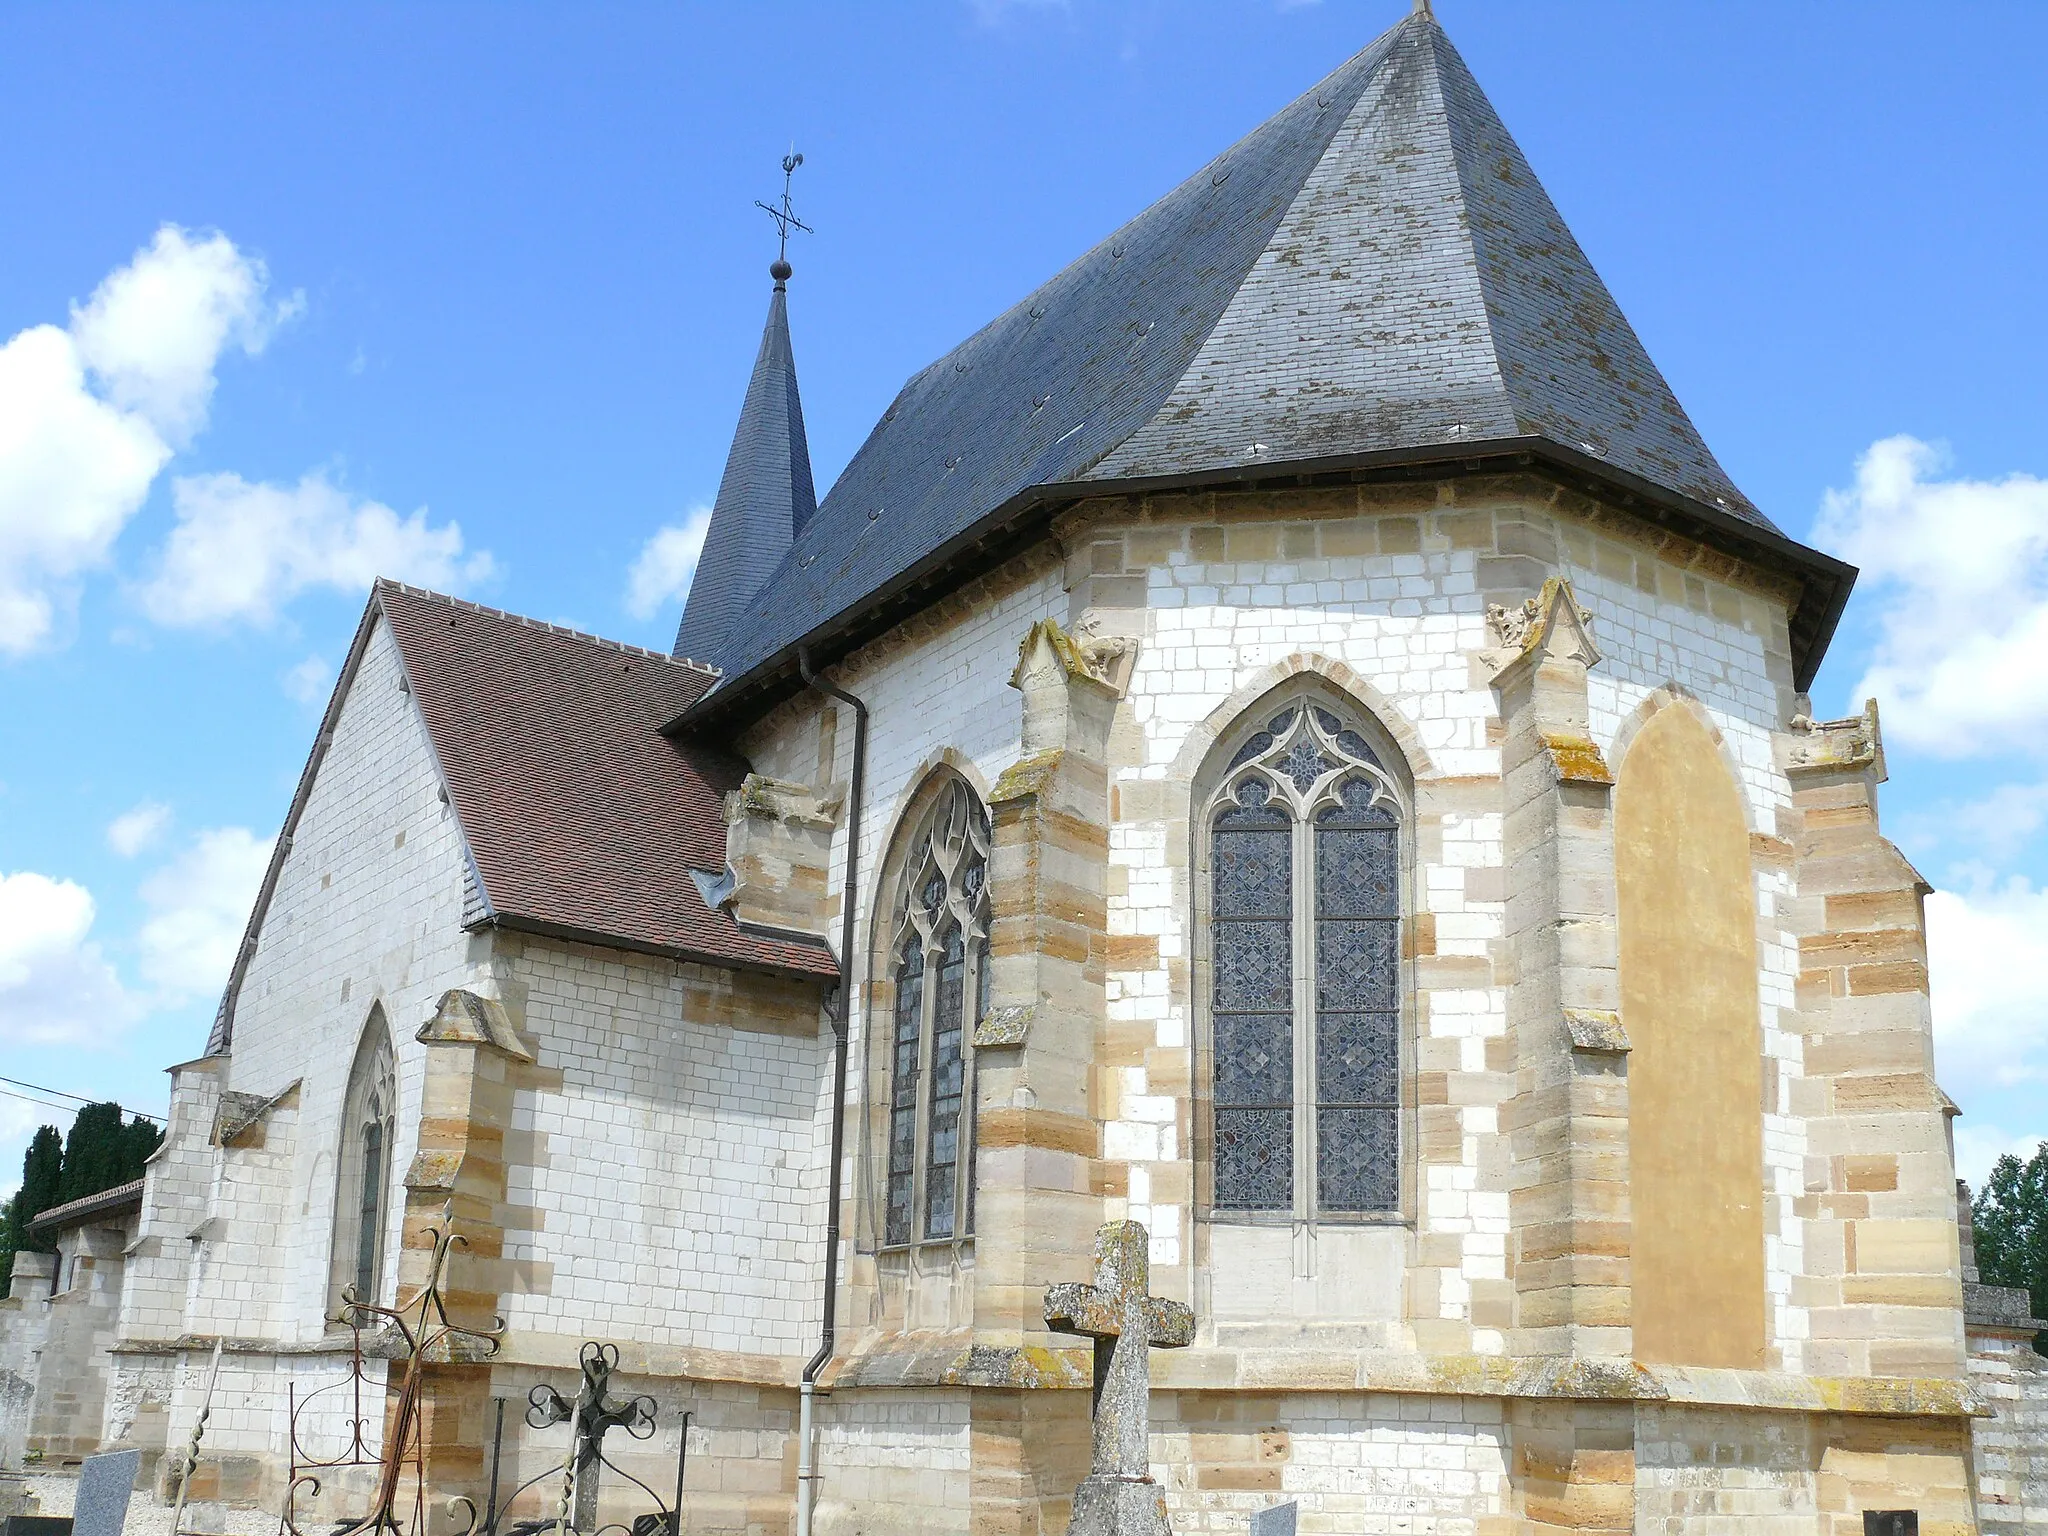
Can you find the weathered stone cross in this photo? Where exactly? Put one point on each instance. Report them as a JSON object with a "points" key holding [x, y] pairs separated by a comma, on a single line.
{"points": [[1118, 1497]]}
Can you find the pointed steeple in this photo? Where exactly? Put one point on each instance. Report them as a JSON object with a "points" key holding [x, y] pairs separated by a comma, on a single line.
{"points": [[765, 497]]}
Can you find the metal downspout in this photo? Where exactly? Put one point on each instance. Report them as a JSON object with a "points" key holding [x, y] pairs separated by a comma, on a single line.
{"points": [[806, 1472]]}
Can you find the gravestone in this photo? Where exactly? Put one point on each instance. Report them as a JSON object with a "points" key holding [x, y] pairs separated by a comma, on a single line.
{"points": [[1118, 1497], [104, 1483], [1276, 1521]]}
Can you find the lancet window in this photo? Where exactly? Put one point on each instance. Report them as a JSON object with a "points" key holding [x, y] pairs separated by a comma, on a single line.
{"points": [[362, 1200], [940, 967], [1305, 856]]}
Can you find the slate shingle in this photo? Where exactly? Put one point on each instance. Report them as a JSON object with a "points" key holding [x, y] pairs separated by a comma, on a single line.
{"points": [[1374, 269]]}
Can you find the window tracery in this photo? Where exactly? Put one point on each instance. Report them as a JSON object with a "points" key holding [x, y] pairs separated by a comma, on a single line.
{"points": [[941, 963], [1305, 958]]}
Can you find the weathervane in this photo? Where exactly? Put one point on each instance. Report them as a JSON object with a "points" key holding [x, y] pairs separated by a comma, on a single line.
{"points": [[785, 219]]}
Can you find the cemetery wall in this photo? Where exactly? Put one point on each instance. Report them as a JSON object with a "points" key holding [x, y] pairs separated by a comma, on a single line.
{"points": [[80, 1317], [2009, 1448]]}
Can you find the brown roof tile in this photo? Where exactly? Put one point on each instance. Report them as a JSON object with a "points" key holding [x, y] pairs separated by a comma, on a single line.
{"points": [[583, 820]]}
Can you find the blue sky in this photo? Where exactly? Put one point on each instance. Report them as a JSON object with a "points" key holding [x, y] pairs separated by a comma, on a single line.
{"points": [[468, 294]]}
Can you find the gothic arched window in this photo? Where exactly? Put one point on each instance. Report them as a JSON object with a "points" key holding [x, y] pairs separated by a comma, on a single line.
{"points": [[940, 971], [362, 1197], [1305, 969]]}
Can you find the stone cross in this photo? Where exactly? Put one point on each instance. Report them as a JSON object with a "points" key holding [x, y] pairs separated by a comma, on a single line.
{"points": [[1118, 1497]]}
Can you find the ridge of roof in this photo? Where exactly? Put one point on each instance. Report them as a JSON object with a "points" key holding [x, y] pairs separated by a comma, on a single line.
{"points": [[765, 496], [1373, 274], [386, 583]]}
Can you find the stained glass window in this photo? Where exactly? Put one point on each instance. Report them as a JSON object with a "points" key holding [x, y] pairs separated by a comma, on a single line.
{"points": [[1252, 850], [941, 921], [1306, 976], [903, 1088]]}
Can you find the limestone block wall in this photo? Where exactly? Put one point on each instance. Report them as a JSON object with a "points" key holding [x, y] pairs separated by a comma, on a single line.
{"points": [[179, 1181], [895, 1461], [1709, 1472], [1365, 1463], [938, 691], [1384, 592], [741, 1463], [24, 1325], [2009, 1449], [367, 912], [665, 1165]]}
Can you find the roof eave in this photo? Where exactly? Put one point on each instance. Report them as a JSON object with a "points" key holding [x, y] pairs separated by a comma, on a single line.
{"points": [[826, 970], [1825, 582]]}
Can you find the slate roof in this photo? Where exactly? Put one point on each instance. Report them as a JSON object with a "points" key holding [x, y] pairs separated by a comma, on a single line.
{"points": [[1373, 271], [765, 496], [582, 821]]}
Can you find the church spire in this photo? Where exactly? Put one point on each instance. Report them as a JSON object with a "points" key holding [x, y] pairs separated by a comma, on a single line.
{"points": [[766, 495]]}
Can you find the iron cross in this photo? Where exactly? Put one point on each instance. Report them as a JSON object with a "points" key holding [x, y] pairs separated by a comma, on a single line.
{"points": [[783, 214], [1126, 1324], [592, 1415]]}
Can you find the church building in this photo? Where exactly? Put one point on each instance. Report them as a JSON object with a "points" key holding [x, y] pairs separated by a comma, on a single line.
{"points": [[1286, 736]]}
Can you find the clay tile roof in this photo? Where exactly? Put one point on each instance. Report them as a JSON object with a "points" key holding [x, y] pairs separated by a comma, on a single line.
{"points": [[583, 821], [117, 1201]]}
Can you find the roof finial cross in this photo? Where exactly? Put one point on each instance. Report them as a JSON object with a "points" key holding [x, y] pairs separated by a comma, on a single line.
{"points": [[785, 219]]}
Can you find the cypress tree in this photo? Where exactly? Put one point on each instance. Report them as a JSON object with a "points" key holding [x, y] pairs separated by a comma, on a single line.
{"points": [[138, 1141], [42, 1170], [95, 1152]]}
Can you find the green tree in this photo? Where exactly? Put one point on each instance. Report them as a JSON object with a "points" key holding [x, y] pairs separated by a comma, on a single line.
{"points": [[140, 1140], [2010, 1220], [42, 1174], [94, 1152], [104, 1149]]}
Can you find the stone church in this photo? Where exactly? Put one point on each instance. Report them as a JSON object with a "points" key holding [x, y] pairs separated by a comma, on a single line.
{"points": [[1286, 736]]}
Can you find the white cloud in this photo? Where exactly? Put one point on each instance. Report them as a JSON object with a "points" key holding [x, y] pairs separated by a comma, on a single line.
{"points": [[77, 462], [154, 329], [1985, 948], [199, 904], [135, 830], [239, 551], [661, 573], [1958, 570], [308, 681], [56, 987]]}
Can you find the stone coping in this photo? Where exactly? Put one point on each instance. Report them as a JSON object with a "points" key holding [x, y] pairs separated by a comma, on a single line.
{"points": [[1999, 1309], [954, 1359], [104, 1202]]}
